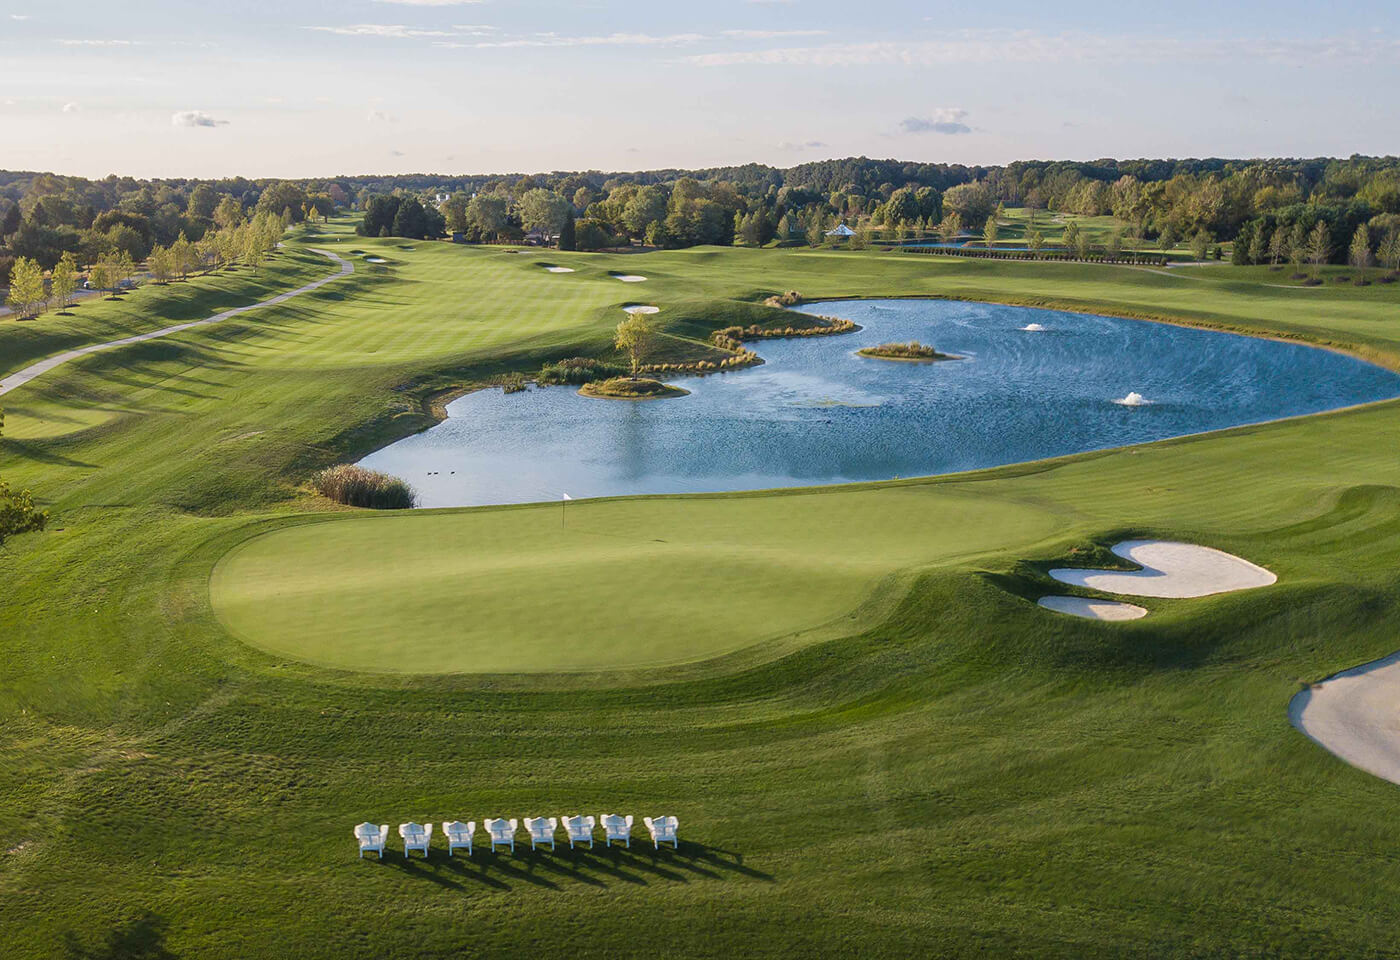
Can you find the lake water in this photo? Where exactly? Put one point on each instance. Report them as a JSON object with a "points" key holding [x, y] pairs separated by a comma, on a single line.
{"points": [[817, 413]]}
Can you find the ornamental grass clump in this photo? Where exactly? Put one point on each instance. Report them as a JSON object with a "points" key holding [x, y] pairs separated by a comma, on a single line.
{"points": [[355, 486]]}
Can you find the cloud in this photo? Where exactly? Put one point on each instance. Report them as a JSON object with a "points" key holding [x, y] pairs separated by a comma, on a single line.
{"points": [[379, 116], [807, 145], [102, 43], [773, 34], [946, 120], [395, 153], [556, 40], [1002, 47], [397, 31], [19, 16], [194, 118], [432, 3], [70, 108]]}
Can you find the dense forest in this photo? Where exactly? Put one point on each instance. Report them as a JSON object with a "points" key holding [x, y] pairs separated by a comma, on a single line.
{"points": [[1268, 209]]}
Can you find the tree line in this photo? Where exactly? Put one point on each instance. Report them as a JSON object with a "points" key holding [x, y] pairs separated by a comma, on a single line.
{"points": [[251, 242], [1201, 201]]}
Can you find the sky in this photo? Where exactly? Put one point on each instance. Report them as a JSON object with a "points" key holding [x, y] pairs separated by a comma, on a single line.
{"points": [[315, 88]]}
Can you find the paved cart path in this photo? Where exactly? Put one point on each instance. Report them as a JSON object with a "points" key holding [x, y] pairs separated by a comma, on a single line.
{"points": [[34, 370]]}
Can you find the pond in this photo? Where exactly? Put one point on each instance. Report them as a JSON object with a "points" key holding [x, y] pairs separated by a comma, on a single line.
{"points": [[817, 413]]}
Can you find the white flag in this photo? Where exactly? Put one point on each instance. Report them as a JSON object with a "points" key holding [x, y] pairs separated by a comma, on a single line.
{"points": [[567, 497]]}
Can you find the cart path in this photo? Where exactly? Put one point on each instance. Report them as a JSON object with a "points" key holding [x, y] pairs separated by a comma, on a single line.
{"points": [[35, 370]]}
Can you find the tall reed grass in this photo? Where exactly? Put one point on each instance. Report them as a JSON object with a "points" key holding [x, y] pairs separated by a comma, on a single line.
{"points": [[357, 487]]}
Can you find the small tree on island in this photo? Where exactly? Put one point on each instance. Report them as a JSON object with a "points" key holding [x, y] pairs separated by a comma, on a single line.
{"points": [[1035, 240], [989, 233], [633, 337]]}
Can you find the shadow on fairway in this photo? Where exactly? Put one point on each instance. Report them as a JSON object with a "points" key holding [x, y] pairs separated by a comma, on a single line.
{"points": [[596, 867], [140, 939]]}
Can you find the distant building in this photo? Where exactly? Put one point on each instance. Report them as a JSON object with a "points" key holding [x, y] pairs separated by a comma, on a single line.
{"points": [[842, 232]]}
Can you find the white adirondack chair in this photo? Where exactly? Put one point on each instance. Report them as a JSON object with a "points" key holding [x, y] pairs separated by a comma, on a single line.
{"points": [[459, 835], [502, 833], [579, 829], [371, 838], [662, 830], [541, 830], [415, 837], [617, 828]]}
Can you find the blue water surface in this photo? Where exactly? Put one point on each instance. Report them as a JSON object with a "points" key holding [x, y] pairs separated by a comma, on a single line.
{"points": [[817, 413]]}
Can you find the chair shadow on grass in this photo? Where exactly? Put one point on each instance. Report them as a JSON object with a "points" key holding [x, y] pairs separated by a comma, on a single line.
{"points": [[638, 865]]}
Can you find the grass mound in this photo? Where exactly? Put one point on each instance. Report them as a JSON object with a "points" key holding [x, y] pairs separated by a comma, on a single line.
{"points": [[913, 350], [357, 487], [631, 388]]}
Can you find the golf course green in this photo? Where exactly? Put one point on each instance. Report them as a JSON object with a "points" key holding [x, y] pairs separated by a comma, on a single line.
{"points": [[875, 741]]}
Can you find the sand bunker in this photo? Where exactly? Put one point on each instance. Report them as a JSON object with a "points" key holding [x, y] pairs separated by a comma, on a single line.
{"points": [[560, 269], [375, 260], [1133, 399], [641, 308], [1353, 716], [1033, 327], [628, 278], [1170, 570], [1093, 609]]}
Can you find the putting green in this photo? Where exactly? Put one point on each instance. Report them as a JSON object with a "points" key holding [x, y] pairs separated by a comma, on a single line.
{"points": [[621, 585]]}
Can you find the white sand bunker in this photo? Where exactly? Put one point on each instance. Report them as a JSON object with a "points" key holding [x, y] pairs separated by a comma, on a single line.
{"points": [[1033, 327], [641, 308], [1093, 609], [1133, 399], [628, 278], [560, 269], [1353, 716], [375, 260], [1171, 570]]}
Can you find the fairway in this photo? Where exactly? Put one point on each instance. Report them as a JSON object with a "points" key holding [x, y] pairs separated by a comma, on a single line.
{"points": [[876, 742], [621, 586]]}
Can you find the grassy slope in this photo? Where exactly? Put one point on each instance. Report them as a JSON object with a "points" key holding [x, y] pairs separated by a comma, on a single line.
{"points": [[953, 773]]}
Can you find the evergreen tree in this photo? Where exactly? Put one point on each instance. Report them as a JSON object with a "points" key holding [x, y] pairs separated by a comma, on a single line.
{"points": [[568, 233]]}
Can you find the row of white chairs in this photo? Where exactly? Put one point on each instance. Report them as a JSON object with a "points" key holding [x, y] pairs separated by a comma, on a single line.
{"points": [[580, 829]]}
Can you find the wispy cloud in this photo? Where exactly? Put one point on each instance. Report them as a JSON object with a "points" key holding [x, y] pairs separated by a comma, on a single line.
{"points": [[102, 43], [379, 116], [558, 40], [194, 118], [773, 34], [1031, 47], [433, 3], [397, 31], [19, 16], [70, 108], [945, 120], [806, 145]]}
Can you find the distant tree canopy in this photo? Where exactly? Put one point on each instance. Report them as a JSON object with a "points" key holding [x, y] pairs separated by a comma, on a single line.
{"points": [[44, 215], [394, 216]]}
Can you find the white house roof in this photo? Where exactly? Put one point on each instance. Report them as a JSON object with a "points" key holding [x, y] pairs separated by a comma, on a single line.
{"points": [[841, 231]]}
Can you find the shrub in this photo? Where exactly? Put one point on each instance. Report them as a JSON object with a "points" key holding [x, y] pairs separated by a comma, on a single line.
{"points": [[913, 350], [357, 487], [579, 370], [513, 383]]}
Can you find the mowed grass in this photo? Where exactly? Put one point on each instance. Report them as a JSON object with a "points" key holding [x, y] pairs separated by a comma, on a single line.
{"points": [[877, 745], [643, 585]]}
